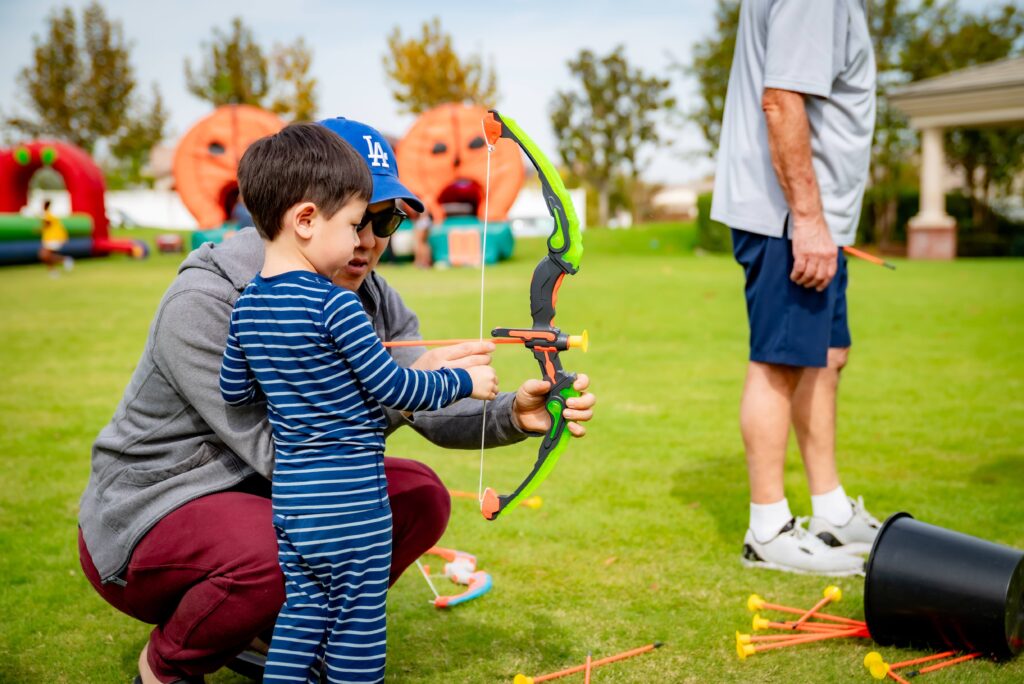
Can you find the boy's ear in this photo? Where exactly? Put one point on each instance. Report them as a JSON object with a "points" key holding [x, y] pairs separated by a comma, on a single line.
{"points": [[302, 215]]}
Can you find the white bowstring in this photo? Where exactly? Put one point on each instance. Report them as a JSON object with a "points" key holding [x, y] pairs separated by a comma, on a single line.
{"points": [[483, 269], [426, 576]]}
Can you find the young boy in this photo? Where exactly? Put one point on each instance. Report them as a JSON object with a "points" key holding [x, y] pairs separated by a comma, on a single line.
{"points": [[308, 348]]}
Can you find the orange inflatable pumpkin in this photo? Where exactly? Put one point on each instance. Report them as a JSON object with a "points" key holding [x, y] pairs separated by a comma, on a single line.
{"points": [[206, 161], [443, 159]]}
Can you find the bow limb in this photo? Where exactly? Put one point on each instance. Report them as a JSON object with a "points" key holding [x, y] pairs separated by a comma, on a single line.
{"points": [[565, 244], [479, 584]]}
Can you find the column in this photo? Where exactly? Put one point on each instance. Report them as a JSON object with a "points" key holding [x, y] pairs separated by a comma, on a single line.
{"points": [[932, 232]]}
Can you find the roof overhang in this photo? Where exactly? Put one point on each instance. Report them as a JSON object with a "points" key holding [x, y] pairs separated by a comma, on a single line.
{"points": [[985, 95]]}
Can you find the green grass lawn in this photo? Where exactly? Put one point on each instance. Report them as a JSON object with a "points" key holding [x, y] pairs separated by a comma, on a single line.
{"points": [[639, 536]]}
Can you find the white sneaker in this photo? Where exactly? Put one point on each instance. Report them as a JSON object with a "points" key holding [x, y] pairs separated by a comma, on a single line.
{"points": [[794, 549], [856, 536], [69, 263]]}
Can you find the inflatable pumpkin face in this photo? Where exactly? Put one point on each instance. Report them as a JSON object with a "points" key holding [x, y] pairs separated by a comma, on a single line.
{"points": [[443, 159], [206, 160]]}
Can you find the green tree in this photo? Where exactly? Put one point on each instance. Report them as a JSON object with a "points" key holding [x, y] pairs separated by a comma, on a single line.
{"points": [[132, 146], [49, 84], [108, 80], [893, 142], [233, 69], [294, 90], [426, 71], [712, 60], [79, 85], [604, 124]]}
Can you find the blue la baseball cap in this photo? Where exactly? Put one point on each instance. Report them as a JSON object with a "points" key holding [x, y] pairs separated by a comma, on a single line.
{"points": [[379, 157]]}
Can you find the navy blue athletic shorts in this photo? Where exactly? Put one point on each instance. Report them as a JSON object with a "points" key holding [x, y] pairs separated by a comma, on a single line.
{"points": [[790, 324]]}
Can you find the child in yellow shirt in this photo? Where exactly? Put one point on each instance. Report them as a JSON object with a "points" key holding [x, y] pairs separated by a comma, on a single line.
{"points": [[54, 237]]}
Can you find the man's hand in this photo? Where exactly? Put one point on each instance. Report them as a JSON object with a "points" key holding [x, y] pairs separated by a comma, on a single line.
{"points": [[464, 355], [815, 256], [530, 415]]}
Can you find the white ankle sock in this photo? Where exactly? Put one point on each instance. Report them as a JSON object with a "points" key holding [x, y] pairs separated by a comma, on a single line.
{"points": [[833, 506], [767, 519]]}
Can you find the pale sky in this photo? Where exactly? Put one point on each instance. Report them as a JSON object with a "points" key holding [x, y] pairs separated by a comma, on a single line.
{"points": [[528, 41]]}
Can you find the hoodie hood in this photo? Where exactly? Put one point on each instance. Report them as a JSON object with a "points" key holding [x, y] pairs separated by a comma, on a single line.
{"points": [[237, 259]]}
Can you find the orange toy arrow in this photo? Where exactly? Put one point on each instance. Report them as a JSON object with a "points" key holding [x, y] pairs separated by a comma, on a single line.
{"points": [[756, 603], [524, 679], [832, 594], [880, 669], [860, 254], [952, 661], [445, 343], [575, 341], [744, 649]]}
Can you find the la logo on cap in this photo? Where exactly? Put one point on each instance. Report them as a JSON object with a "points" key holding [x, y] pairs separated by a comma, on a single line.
{"points": [[375, 152]]}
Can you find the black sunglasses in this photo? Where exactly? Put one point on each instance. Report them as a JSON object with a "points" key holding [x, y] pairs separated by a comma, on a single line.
{"points": [[385, 223]]}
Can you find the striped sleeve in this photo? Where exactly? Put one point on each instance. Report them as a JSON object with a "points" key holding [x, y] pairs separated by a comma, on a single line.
{"points": [[398, 388], [237, 382]]}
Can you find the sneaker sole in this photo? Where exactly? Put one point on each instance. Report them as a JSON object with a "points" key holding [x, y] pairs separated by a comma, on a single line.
{"points": [[799, 571], [853, 548]]}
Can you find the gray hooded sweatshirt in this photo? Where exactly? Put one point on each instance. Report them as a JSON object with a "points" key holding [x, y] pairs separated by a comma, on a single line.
{"points": [[173, 439]]}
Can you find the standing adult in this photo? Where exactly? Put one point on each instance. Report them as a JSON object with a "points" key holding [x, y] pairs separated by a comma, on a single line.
{"points": [[175, 523], [792, 166]]}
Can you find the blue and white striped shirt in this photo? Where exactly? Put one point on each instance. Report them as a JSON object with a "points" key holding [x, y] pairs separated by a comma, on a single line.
{"points": [[309, 348]]}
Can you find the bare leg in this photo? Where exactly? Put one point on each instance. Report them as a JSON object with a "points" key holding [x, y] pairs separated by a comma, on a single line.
{"points": [[50, 258], [145, 671], [814, 419], [765, 413]]}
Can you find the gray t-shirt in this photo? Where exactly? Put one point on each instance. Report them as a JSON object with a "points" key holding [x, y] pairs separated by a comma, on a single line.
{"points": [[820, 48]]}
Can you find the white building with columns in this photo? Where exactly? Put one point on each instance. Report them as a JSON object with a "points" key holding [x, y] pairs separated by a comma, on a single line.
{"points": [[985, 95]]}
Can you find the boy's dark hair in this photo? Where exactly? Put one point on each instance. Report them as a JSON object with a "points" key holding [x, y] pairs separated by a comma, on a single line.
{"points": [[46, 205], [300, 163]]}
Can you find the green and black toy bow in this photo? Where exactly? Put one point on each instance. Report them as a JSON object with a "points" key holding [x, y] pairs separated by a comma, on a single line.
{"points": [[565, 248]]}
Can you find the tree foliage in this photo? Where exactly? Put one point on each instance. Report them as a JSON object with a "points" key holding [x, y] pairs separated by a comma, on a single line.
{"points": [[132, 146], [893, 142], [946, 39], [80, 82], [293, 93], [108, 79], [233, 69], [712, 60], [603, 125], [425, 71]]}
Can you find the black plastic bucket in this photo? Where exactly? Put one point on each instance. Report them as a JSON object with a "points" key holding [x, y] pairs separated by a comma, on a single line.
{"points": [[927, 586]]}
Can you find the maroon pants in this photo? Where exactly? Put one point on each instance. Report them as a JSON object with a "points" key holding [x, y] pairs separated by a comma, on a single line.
{"points": [[207, 575]]}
